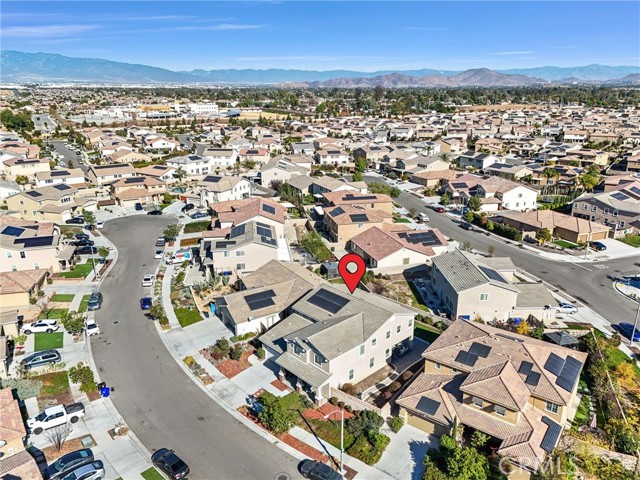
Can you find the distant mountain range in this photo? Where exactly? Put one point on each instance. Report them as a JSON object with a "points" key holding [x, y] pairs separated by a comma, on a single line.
{"points": [[21, 67]]}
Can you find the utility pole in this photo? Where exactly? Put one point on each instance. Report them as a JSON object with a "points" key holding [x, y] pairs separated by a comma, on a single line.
{"points": [[635, 325]]}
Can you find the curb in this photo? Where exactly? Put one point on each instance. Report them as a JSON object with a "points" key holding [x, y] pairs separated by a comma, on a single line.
{"points": [[619, 290]]}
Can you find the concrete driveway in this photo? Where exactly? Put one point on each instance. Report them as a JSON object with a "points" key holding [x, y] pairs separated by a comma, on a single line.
{"points": [[159, 402], [403, 457]]}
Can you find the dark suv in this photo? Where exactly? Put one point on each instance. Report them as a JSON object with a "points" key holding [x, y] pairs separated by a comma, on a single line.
{"points": [[95, 301], [170, 464], [318, 471], [39, 359], [75, 221], [187, 207]]}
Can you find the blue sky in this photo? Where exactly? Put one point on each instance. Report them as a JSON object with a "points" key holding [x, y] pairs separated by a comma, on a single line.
{"points": [[360, 35]]}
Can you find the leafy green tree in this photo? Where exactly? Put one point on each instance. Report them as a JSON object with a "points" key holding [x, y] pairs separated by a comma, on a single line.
{"points": [[171, 232], [276, 417], [474, 203], [103, 252], [83, 375], [180, 174], [73, 322], [357, 176], [544, 234], [366, 422], [445, 199], [16, 121], [88, 217], [361, 164], [479, 439], [22, 179], [465, 463]]}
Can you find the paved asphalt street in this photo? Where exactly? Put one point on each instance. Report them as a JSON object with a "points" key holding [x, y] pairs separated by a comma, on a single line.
{"points": [[589, 283], [159, 402], [69, 155]]}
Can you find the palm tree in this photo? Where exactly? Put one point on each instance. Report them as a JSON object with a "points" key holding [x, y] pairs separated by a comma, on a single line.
{"points": [[445, 157], [549, 173], [180, 174]]}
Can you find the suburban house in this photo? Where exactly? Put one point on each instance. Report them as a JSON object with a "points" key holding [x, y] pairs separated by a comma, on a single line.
{"points": [[236, 212], [220, 157], [514, 388], [159, 172], [332, 337], [73, 177], [193, 165], [332, 156], [565, 227], [343, 223], [125, 155], [511, 195], [303, 148], [17, 288], [27, 167], [27, 245], [153, 143], [367, 201], [508, 171], [8, 188], [474, 287], [246, 247], [618, 209], [433, 179], [266, 295], [283, 168], [56, 203], [140, 189], [397, 247], [322, 185], [105, 174], [477, 160], [258, 155], [15, 461], [214, 189]]}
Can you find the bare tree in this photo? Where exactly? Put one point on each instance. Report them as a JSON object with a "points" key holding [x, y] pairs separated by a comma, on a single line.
{"points": [[58, 435]]}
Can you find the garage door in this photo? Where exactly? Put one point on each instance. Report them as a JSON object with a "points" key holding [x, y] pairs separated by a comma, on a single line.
{"points": [[426, 425]]}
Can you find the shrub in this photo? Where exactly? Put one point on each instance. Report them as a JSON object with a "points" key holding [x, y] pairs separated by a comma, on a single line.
{"points": [[367, 422], [234, 339], [236, 353], [260, 353], [395, 386], [73, 322], [24, 387], [276, 417], [369, 451], [83, 375], [349, 389], [406, 375], [395, 423], [222, 347]]}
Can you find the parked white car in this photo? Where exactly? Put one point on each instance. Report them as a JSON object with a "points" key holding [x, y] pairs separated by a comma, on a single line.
{"points": [[41, 326], [566, 308], [147, 281], [159, 254], [423, 217], [91, 327], [100, 224]]}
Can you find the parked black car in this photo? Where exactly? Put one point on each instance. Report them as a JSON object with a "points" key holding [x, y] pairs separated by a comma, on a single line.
{"points": [[75, 221], [170, 464], [318, 471], [86, 250], [38, 359], [81, 236], [138, 207], [598, 246], [69, 462], [199, 215], [187, 207], [95, 301], [83, 243], [155, 212]]}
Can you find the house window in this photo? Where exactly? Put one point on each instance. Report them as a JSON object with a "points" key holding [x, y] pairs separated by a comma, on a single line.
{"points": [[410, 323], [484, 297], [438, 366], [360, 225], [240, 253], [405, 261], [551, 407], [455, 370], [615, 213], [387, 353], [351, 373], [14, 268], [317, 359], [36, 266], [575, 205], [621, 224], [594, 209], [10, 255], [297, 349], [374, 341], [398, 328], [23, 255], [362, 349], [240, 266], [585, 207], [388, 334], [606, 210], [372, 361], [226, 254], [477, 402], [499, 410]]}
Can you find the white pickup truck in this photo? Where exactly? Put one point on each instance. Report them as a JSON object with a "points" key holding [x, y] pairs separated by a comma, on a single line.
{"points": [[55, 416]]}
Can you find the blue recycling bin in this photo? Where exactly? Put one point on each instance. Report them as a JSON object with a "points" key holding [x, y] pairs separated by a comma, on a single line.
{"points": [[105, 392]]}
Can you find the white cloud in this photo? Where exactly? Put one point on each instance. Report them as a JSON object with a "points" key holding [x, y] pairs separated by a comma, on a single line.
{"points": [[425, 29], [510, 53], [220, 26], [48, 31]]}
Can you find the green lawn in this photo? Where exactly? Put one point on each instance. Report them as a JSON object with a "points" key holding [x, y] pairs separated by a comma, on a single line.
{"points": [[401, 220], [63, 297], [329, 431], [47, 341], [151, 474], [633, 240], [79, 271], [195, 227], [187, 317], [55, 313], [582, 414], [84, 303], [565, 244], [425, 332], [53, 384]]}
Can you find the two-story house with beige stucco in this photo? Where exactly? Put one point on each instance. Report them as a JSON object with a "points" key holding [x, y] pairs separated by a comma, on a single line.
{"points": [[56, 203], [139, 189], [516, 389]]}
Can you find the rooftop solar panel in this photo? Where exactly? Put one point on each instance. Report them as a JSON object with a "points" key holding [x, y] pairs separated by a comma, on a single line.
{"points": [[13, 231], [466, 358], [533, 379], [212, 179], [134, 180], [268, 209], [551, 436], [328, 301], [59, 173], [554, 364], [33, 194], [492, 274], [480, 349], [223, 244], [62, 187], [35, 241], [336, 211], [428, 405], [620, 196], [260, 300], [359, 217], [236, 231], [569, 374], [525, 368]]}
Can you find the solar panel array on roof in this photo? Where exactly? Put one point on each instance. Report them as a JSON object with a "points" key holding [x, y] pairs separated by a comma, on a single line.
{"points": [[359, 217], [328, 301], [260, 300], [134, 180], [336, 211], [268, 209], [13, 231], [59, 173], [466, 358], [492, 274], [236, 231], [525, 368], [263, 230], [533, 379], [459, 185], [35, 241], [423, 237], [62, 187], [224, 244], [619, 196], [554, 364], [33, 194], [569, 374], [212, 179], [480, 349], [551, 436], [428, 405], [351, 196], [635, 190], [268, 240]]}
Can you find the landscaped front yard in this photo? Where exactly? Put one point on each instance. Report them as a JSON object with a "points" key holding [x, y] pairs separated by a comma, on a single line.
{"points": [[55, 389], [565, 244], [84, 303], [426, 332], [187, 317], [81, 270], [54, 313], [151, 474], [633, 240], [48, 341], [63, 297]]}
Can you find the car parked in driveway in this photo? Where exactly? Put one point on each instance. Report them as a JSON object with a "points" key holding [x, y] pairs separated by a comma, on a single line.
{"points": [[199, 215], [598, 246], [318, 471], [170, 464], [187, 207], [75, 221], [40, 326], [95, 301], [90, 471], [566, 307], [69, 462], [85, 250], [138, 207], [80, 236], [39, 359], [627, 328], [147, 281], [83, 243]]}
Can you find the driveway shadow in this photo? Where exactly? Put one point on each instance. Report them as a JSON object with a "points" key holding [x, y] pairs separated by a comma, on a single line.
{"points": [[418, 451]]}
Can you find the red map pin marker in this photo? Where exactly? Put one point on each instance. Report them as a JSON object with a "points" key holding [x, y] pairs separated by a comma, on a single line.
{"points": [[354, 273]]}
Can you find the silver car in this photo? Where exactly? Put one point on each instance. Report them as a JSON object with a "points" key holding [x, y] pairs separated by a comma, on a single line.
{"points": [[90, 471], [566, 307]]}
